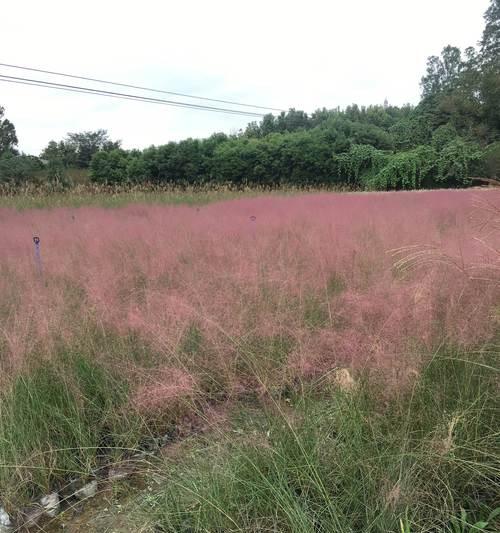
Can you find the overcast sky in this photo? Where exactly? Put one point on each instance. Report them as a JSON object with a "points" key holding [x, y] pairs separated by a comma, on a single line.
{"points": [[283, 54]]}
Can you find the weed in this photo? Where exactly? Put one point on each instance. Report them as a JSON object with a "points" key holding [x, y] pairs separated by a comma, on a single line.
{"points": [[325, 464]]}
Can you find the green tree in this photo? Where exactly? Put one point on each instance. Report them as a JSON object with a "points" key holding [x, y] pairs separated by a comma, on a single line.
{"points": [[442, 136], [59, 153], [490, 161], [87, 143], [358, 166], [18, 168], [490, 63], [8, 137], [411, 169], [451, 134], [457, 161], [77, 149], [109, 166], [490, 42], [443, 71]]}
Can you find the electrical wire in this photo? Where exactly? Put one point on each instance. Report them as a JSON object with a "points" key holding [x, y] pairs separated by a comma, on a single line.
{"points": [[124, 96], [127, 85]]}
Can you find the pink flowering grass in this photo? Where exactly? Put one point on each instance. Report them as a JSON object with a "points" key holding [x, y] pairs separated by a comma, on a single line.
{"points": [[326, 280], [142, 316]]}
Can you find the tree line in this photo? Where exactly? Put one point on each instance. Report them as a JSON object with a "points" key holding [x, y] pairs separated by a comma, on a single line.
{"points": [[451, 135]]}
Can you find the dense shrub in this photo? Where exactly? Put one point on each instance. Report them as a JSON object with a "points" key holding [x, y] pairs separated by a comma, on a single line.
{"points": [[358, 165], [407, 170], [109, 167], [337, 152], [456, 160], [18, 168], [490, 161]]}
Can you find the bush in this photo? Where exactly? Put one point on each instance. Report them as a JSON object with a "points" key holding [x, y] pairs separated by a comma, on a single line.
{"points": [[490, 161], [358, 165], [406, 170], [457, 161], [109, 167], [18, 168], [362, 157]]}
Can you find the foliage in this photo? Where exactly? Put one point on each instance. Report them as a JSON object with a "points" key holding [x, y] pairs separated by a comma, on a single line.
{"points": [[455, 162], [490, 43], [361, 162], [491, 161], [55, 421], [442, 72], [18, 169], [437, 143], [109, 167], [406, 170], [462, 525], [8, 137], [78, 149]]}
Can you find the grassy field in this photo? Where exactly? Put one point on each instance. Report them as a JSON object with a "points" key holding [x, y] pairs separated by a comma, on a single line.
{"points": [[301, 362]]}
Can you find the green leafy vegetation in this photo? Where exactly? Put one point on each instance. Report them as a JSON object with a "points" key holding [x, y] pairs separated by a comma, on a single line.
{"points": [[58, 419], [450, 136], [365, 459]]}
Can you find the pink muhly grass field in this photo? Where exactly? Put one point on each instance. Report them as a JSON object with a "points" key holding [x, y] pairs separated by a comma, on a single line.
{"points": [[346, 279]]}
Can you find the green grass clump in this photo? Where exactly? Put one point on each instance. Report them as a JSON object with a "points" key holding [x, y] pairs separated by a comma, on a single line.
{"points": [[335, 285], [57, 420], [261, 359], [327, 460], [192, 340], [315, 312]]}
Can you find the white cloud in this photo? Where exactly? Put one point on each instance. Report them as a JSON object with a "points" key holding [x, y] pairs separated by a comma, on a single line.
{"points": [[275, 53]]}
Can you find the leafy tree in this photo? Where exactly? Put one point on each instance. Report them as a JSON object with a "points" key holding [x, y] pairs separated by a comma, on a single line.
{"points": [[109, 166], [60, 154], [358, 165], [443, 135], [77, 149], [490, 61], [490, 161], [18, 169], [442, 72], [87, 143], [8, 137], [411, 130], [291, 121], [407, 170], [455, 162], [451, 134], [490, 42], [490, 93]]}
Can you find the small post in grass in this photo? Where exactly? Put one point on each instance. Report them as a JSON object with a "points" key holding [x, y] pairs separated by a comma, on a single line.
{"points": [[38, 258], [253, 218]]}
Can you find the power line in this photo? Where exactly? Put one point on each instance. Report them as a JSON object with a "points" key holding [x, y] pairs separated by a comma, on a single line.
{"points": [[124, 96], [97, 92], [138, 87]]}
